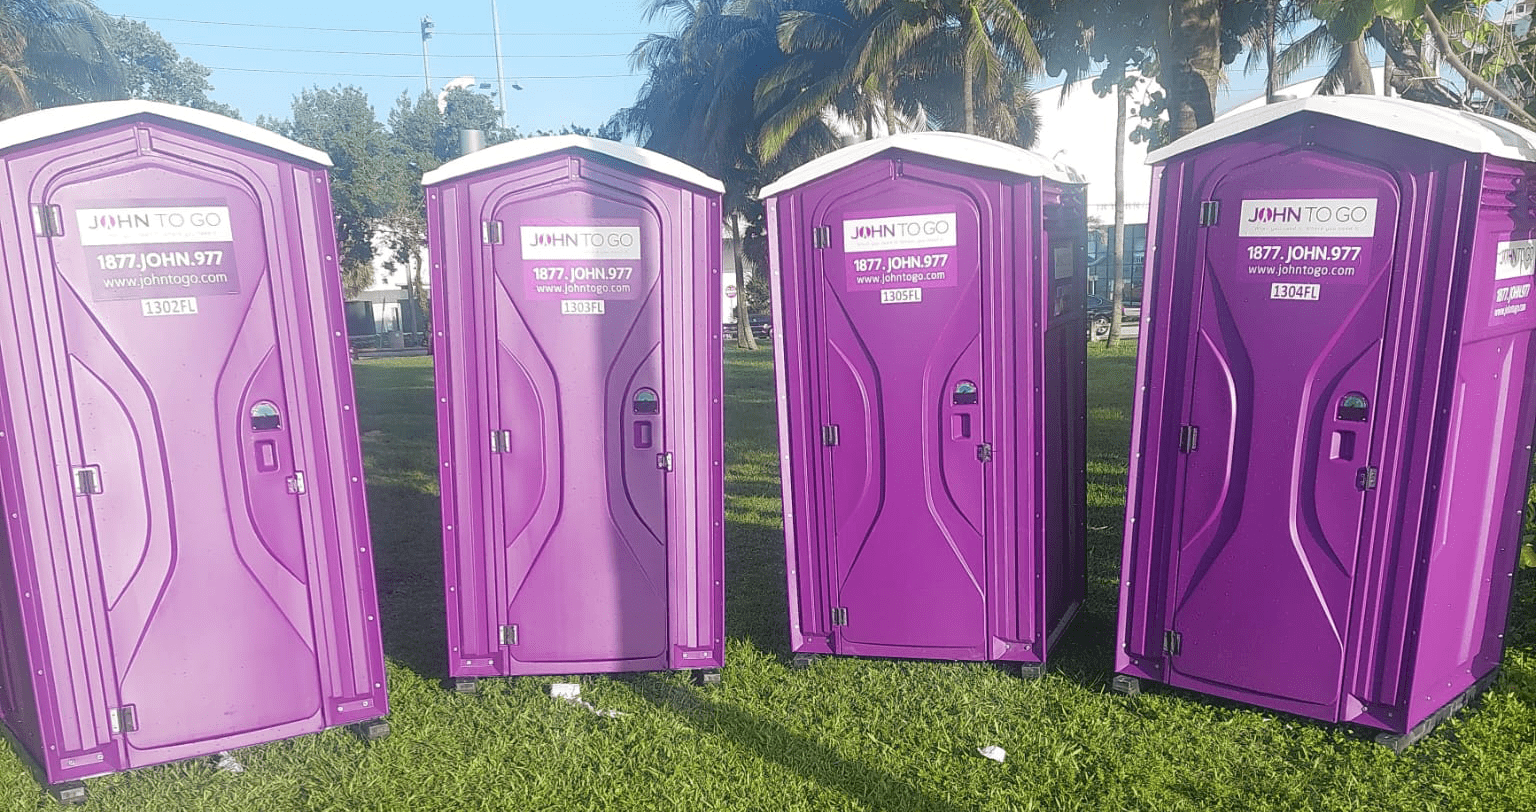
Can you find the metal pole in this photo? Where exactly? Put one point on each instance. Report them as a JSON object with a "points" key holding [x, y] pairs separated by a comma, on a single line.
{"points": [[426, 72], [501, 80]]}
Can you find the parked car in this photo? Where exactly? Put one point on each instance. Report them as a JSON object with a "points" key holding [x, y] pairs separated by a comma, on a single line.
{"points": [[762, 326], [1099, 312]]}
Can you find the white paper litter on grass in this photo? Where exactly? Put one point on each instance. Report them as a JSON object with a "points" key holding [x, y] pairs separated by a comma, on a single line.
{"points": [[993, 752], [228, 764], [571, 692]]}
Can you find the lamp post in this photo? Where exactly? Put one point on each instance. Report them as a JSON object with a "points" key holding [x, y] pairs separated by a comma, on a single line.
{"points": [[426, 33], [501, 80]]}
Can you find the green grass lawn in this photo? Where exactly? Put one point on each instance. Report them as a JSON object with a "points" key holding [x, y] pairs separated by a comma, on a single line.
{"points": [[847, 734]]}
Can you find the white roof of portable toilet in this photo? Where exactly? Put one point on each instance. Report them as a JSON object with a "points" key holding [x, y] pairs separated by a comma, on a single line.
{"points": [[1459, 129], [525, 148], [961, 147], [58, 120]]}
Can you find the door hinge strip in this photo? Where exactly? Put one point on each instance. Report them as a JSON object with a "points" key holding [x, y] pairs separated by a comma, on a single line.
{"points": [[501, 441], [1189, 438], [839, 616], [508, 635], [123, 720], [830, 434], [296, 484], [87, 480], [1173, 642], [47, 220], [1365, 480], [664, 461], [1210, 211], [821, 236], [490, 232]]}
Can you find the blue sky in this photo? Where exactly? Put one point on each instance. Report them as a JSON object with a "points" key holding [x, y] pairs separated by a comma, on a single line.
{"points": [[569, 56]]}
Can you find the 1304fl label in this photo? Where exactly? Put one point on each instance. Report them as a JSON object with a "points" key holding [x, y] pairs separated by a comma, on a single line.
{"points": [[181, 306], [1294, 292]]}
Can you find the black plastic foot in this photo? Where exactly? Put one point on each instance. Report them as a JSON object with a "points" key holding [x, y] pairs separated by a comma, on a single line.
{"points": [[1398, 742], [706, 676], [1031, 670], [1123, 684], [69, 793], [371, 730], [466, 685], [803, 661]]}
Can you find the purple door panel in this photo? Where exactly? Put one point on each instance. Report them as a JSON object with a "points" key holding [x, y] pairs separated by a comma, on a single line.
{"points": [[900, 363], [186, 480], [1305, 394], [582, 470]]}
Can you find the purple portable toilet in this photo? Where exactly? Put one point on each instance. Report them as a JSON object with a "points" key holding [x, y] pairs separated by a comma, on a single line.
{"points": [[928, 293], [1334, 412], [580, 431], [187, 567]]}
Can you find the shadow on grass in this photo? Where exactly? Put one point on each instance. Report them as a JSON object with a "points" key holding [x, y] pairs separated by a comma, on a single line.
{"points": [[801, 754], [408, 566]]}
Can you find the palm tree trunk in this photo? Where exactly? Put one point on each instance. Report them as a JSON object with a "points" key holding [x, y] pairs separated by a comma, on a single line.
{"points": [[1117, 242], [1271, 93], [744, 337], [1357, 69], [1192, 65], [969, 91]]}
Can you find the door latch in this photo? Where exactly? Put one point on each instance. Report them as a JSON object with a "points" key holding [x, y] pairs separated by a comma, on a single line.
{"points": [[664, 461], [296, 483], [1365, 480], [984, 452], [123, 720]]}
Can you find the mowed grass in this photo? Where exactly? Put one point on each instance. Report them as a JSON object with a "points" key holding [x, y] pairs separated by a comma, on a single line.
{"points": [[847, 734]]}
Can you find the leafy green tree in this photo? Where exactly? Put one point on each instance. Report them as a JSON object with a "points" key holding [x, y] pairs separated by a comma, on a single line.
{"points": [[152, 69], [369, 178], [697, 103], [963, 63], [53, 52]]}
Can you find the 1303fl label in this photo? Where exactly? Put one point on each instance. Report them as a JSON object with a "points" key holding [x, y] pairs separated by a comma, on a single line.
{"points": [[1294, 292], [183, 306]]}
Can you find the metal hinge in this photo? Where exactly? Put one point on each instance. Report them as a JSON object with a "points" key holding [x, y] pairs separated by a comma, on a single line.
{"points": [[984, 452], [839, 616], [87, 480], [1210, 210], [664, 461], [829, 434], [1173, 642], [508, 635], [501, 441], [821, 236], [47, 220], [123, 720], [490, 232], [1365, 480], [1189, 438], [296, 483]]}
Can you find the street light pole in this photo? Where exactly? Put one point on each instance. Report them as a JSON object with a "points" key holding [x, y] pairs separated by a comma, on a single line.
{"points": [[501, 80], [426, 33]]}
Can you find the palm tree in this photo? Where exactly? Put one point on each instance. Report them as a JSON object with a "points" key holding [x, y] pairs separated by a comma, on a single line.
{"points": [[53, 52], [898, 56], [697, 104]]}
